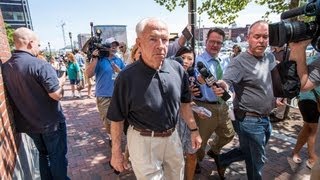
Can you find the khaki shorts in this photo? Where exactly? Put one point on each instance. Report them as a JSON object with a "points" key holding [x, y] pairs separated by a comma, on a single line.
{"points": [[103, 104], [88, 80]]}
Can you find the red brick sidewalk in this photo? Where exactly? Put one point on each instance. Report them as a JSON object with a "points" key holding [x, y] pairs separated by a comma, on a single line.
{"points": [[89, 153]]}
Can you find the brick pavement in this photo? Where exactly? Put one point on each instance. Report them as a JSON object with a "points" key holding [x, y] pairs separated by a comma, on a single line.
{"points": [[89, 152]]}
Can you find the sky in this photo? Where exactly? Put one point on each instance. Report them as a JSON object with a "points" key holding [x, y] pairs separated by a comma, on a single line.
{"points": [[47, 16]]}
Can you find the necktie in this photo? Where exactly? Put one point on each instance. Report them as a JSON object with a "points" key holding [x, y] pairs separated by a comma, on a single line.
{"points": [[219, 71]]}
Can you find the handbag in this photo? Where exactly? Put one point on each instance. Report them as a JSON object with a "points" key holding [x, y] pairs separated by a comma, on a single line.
{"points": [[317, 99], [285, 79], [80, 85]]}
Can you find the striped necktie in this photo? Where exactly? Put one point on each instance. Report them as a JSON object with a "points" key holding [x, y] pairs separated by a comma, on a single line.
{"points": [[219, 71]]}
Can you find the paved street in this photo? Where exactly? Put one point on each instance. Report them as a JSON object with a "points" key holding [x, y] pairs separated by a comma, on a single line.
{"points": [[89, 153]]}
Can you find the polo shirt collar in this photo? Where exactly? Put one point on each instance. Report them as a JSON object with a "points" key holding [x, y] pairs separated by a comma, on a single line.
{"points": [[19, 52], [149, 70]]}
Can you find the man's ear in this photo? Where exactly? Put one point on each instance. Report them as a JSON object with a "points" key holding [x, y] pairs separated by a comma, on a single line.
{"points": [[29, 45], [138, 42]]}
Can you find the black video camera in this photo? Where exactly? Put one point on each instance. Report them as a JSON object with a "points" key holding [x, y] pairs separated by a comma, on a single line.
{"points": [[284, 32], [95, 42]]}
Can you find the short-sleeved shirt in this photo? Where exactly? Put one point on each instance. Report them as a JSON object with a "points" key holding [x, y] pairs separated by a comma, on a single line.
{"points": [[150, 99], [73, 70], [28, 81], [314, 72], [80, 60], [309, 94], [251, 79], [104, 73]]}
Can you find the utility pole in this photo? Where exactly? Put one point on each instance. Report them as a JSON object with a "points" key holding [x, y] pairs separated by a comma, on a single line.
{"points": [[192, 8], [63, 34], [70, 36], [49, 49]]}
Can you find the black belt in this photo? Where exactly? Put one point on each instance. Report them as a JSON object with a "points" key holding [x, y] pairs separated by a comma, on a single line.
{"points": [[146, 132], [208, 102], [254, 114]]}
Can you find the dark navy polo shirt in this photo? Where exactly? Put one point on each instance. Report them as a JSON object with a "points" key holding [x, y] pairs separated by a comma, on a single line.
{"points": [[150, 99], [28, 81]]}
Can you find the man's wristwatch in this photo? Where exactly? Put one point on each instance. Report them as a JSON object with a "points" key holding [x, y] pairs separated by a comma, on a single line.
{"points": [[195, 129]]}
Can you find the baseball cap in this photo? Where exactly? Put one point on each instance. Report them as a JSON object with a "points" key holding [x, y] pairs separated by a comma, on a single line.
{"points": [[112, 40]]}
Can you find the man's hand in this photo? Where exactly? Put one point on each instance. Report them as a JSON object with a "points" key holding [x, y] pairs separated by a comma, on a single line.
{"points": [[115, 67], [220, 90], [95, 52], [195, 91], [196, 139], [280, 102], [118, 163], [299, 45]]}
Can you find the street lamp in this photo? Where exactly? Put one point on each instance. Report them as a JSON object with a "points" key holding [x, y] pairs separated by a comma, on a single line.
{"points": [[70, 36], [49, 49]]}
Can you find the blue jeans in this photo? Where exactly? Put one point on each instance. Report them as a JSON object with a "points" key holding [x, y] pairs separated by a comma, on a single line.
{"points": [[52, 149], [254, 134]]}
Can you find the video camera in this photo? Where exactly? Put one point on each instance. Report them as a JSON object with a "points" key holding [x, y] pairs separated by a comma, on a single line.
{"points": [[284, 32], [95, 42]]}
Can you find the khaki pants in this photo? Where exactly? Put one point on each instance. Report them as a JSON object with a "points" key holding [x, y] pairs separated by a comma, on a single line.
{"points": [[155, 158], [103, 104], [219, 123]]}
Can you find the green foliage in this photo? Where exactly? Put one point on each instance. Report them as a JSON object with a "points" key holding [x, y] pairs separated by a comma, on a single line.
{"points": [[226, 11], [9, 32]]}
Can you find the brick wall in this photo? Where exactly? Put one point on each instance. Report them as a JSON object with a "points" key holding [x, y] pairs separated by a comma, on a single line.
{"points": [[8, 138]]}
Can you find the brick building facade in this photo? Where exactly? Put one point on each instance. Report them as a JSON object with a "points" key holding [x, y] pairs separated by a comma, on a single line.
{"points": [[18, 155], [8, 138]]}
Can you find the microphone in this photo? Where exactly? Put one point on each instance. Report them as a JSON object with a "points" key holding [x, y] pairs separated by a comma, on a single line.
{"points": [[193, 80], [210, 79]]}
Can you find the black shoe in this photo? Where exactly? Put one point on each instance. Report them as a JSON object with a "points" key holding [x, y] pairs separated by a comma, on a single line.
{"points": [[198, 169], [221, 170]]}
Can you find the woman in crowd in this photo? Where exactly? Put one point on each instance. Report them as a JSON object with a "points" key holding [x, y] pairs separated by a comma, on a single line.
{"points": [[74, 73], [135, 53], [188, 56], [236, 49], [310, 114]]}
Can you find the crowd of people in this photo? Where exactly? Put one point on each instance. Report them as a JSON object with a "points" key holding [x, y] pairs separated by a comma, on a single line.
{"points": [[155, 100]]}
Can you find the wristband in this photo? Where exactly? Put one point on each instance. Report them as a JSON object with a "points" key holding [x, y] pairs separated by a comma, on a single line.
{"points": [[195, 129]]}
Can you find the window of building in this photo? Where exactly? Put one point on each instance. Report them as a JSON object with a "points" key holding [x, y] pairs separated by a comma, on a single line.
{"points": [[13, 16]]}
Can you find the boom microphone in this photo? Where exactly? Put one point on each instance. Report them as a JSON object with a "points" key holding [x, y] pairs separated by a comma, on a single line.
{"points": [[210, 79]]}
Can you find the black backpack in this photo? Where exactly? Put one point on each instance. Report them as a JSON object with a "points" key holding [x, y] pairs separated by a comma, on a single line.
{"points": [[285, 79]]}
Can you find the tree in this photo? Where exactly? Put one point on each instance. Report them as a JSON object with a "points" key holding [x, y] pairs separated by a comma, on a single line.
{"points": [[9, 32], [226, 11]]}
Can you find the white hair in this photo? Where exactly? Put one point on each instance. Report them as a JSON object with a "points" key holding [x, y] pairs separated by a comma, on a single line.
{"points": [[142, 24]]}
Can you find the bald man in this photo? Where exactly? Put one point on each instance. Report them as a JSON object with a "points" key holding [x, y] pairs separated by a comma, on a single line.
{"points": [[34, 91]]}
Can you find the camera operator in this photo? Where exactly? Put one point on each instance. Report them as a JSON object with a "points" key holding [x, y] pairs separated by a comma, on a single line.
{"points": [[105, 66], [310, 79]]}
